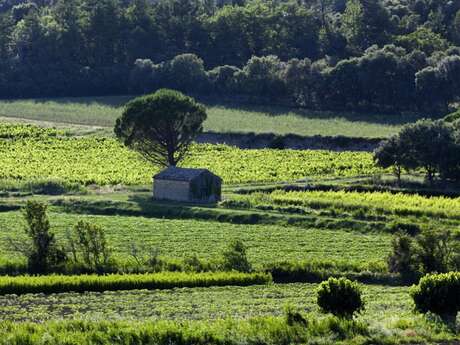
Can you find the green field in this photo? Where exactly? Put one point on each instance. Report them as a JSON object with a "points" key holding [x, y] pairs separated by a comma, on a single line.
{"points": [[383, 303], [102, 111], [184, 238]]}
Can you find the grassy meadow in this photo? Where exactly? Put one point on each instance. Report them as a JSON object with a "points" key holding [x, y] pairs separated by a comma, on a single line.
{"points": [[222, 118], [183, 238]]}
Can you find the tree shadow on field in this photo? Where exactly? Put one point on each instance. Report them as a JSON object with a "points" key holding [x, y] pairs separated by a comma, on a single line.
{"points": [[258, 106], [283, 110], [172, 209]]}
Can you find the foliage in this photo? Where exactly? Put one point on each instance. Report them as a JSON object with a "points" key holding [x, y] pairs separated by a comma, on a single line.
{"points": [[317, 270], [431, 146], [452, 117], [437, 251], [235, 258], [84, 47], [41, 186], [439, 294], [272, 330], [391, 153], [429, 252], [89, 241], [17, 131], [207, 304], [398, 203], [401, 260], [44, 254], [161, 126], [165, 280], [340, 297]]}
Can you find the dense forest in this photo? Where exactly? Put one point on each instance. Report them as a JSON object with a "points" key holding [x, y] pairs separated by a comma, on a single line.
{"points": [[379, 55]]}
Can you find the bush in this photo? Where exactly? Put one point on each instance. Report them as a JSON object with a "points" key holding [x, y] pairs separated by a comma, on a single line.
{"points": [[235, 258], [340, 297], [88, 241], [435, 251], [429, 252], [439, 294], [44, 254], [294, 318], [402, 260]]}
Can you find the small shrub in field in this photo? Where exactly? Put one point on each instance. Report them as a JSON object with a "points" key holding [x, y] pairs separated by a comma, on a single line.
{"points": [[401, 259], [89, 242], [43, 255], [294, 318], [340, 297], [235, 258], [431, 251], [439, 294], [436, 251]]}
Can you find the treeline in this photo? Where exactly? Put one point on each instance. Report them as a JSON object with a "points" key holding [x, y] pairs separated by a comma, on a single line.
{"points": [[332, 51], [387, 79]]}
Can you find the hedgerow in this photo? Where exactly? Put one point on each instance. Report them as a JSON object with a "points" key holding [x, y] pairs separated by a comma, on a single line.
{"points": [[115, 282]]}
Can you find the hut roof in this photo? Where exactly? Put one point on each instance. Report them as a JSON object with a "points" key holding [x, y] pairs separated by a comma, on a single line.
{"points": [[180, 174]]}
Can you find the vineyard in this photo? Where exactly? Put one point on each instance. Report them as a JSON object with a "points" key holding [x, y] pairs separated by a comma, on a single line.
{"points": [[103, 161], [372, 202]]}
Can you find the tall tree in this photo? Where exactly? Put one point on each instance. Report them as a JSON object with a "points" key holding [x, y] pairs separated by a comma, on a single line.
{"points": [[161, 126]]}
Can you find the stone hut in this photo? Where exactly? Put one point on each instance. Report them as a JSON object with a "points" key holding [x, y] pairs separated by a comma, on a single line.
{"points": [[187, 185]]}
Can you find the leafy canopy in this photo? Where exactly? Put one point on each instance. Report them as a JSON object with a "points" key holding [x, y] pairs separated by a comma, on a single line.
{"points": [[161, 126]]}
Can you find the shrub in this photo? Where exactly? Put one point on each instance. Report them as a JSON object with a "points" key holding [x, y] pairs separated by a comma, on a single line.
{"points": [[88, 241], [294, 318], [401, 260], [439, 294], [435, 251], [429, 252], [340, 297], [235, 258], [44, 254]]}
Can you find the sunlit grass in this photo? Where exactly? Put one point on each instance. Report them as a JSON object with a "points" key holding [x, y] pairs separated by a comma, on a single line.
{"points": [[102, 111]]}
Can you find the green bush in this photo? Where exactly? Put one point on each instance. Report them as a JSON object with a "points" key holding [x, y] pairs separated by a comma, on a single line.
{"points": [[235, 258], [115, 282], [88, 242], [340, 297], [429, 252], [402, 257], [44, 255], [439, 294]]}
